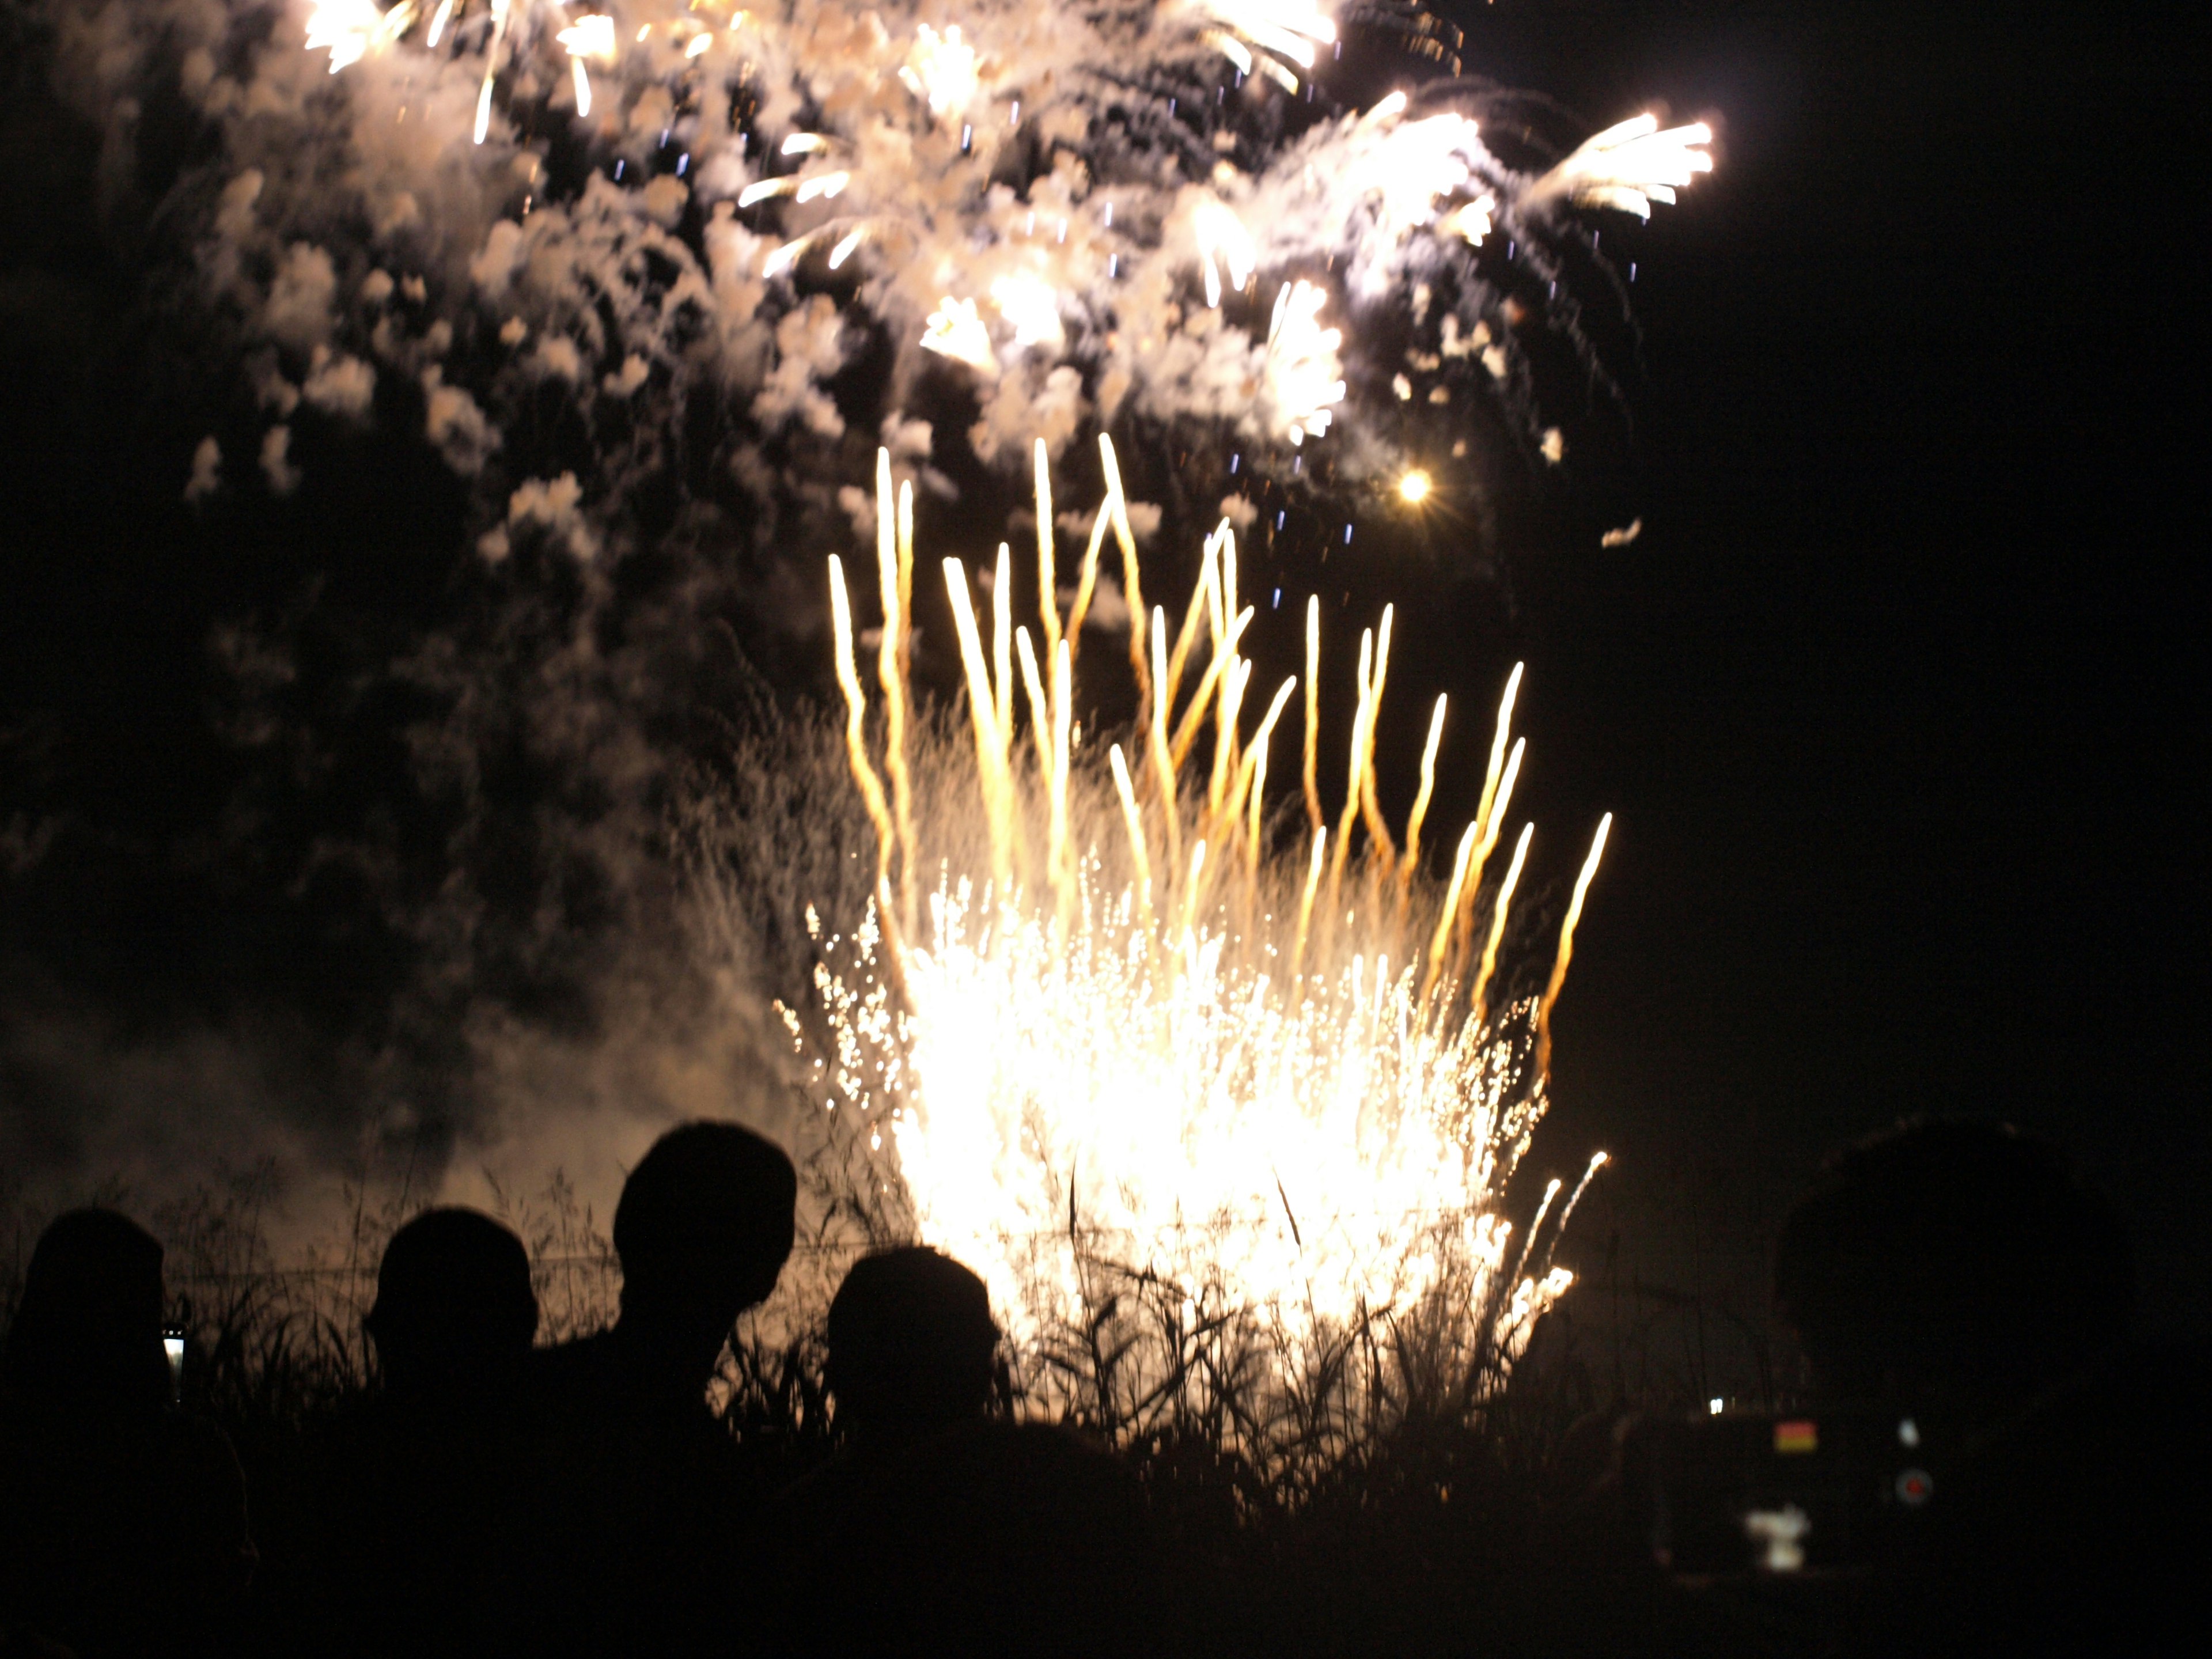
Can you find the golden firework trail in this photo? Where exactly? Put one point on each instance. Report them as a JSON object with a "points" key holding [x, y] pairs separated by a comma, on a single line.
{"points": [[1115, 1028]]}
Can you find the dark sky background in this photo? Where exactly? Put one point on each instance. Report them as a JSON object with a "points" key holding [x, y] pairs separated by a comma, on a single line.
{"points": [[1899, 699]]}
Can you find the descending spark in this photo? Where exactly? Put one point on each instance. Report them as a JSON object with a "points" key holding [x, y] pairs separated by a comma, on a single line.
{"points": [[1303, 379], [1221, 233], [439, 19], [500, 12], [1631, 165], [1088, 1055]]}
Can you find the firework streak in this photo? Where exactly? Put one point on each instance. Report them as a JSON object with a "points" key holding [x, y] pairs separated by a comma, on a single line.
{"points": [[1106, 1029]]}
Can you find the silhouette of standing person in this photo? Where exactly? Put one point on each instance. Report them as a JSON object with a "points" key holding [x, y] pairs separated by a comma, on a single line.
{"points": [[639, 1490], [123, 1527], [409, 1494], [941, 1528]]}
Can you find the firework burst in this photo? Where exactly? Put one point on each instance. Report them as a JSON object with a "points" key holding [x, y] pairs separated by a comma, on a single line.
{"points": [[1110, 1016]]}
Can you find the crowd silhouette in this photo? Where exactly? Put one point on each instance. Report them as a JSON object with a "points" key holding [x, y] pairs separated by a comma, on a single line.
{"points": [[492, 1497]]}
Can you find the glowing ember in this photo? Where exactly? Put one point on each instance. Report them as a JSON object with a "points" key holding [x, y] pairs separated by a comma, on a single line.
{"points": [[1120, 1027]]}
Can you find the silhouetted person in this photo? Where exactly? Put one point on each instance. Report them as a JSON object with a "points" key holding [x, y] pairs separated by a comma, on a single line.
{"points": [[1958, 1274], [408, 1495], [641, 1490], [940, 1528], [121, 1520]]}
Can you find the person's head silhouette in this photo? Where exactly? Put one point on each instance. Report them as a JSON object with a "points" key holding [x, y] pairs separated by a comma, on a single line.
{"points": [[1960, 1261], [703, 1229], [911, 1344], [88, 1331], [454, 1308]]}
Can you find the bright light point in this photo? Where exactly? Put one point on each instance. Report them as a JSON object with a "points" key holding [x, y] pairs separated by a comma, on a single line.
{"points": [[765, 188], [844, 249], [583, 85], [955, 330], [590, 36], [803, 143], [1713, 1407], [828, 185], [1413, 488], [439, 19], [699, 44]]}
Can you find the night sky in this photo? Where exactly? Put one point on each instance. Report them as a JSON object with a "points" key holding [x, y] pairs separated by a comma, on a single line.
{"points": [[1898, 700]]}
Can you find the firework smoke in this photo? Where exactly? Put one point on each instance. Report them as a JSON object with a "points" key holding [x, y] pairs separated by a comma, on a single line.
{"points": [[624, 299]]}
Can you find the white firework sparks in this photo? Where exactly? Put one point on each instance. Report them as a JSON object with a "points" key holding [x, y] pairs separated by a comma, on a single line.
{"points": [[1134, 1033]]}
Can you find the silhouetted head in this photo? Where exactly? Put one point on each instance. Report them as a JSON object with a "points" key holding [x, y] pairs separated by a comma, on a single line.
{"points": [[453, 1302], [911, 1342], [703, 1228], [1958, 1260], [88, 1331]]}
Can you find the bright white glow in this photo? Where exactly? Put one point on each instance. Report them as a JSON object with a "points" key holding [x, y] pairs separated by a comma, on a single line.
{"points": [[1713, 1407], [1414, 163], [803, 143], [955, 330], [1471, 221], [1780, 1533], [1141, 1037], [1032, 305], [699, 44], [1222, 234], [1631, 165], [1413, 488], [765, 188], [1305, 380], [351, 29], [823, 186], [439, 19], [583, 82], [591, 35], [1289, 29], [783, 258], [844, 249], [941, 70]]}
